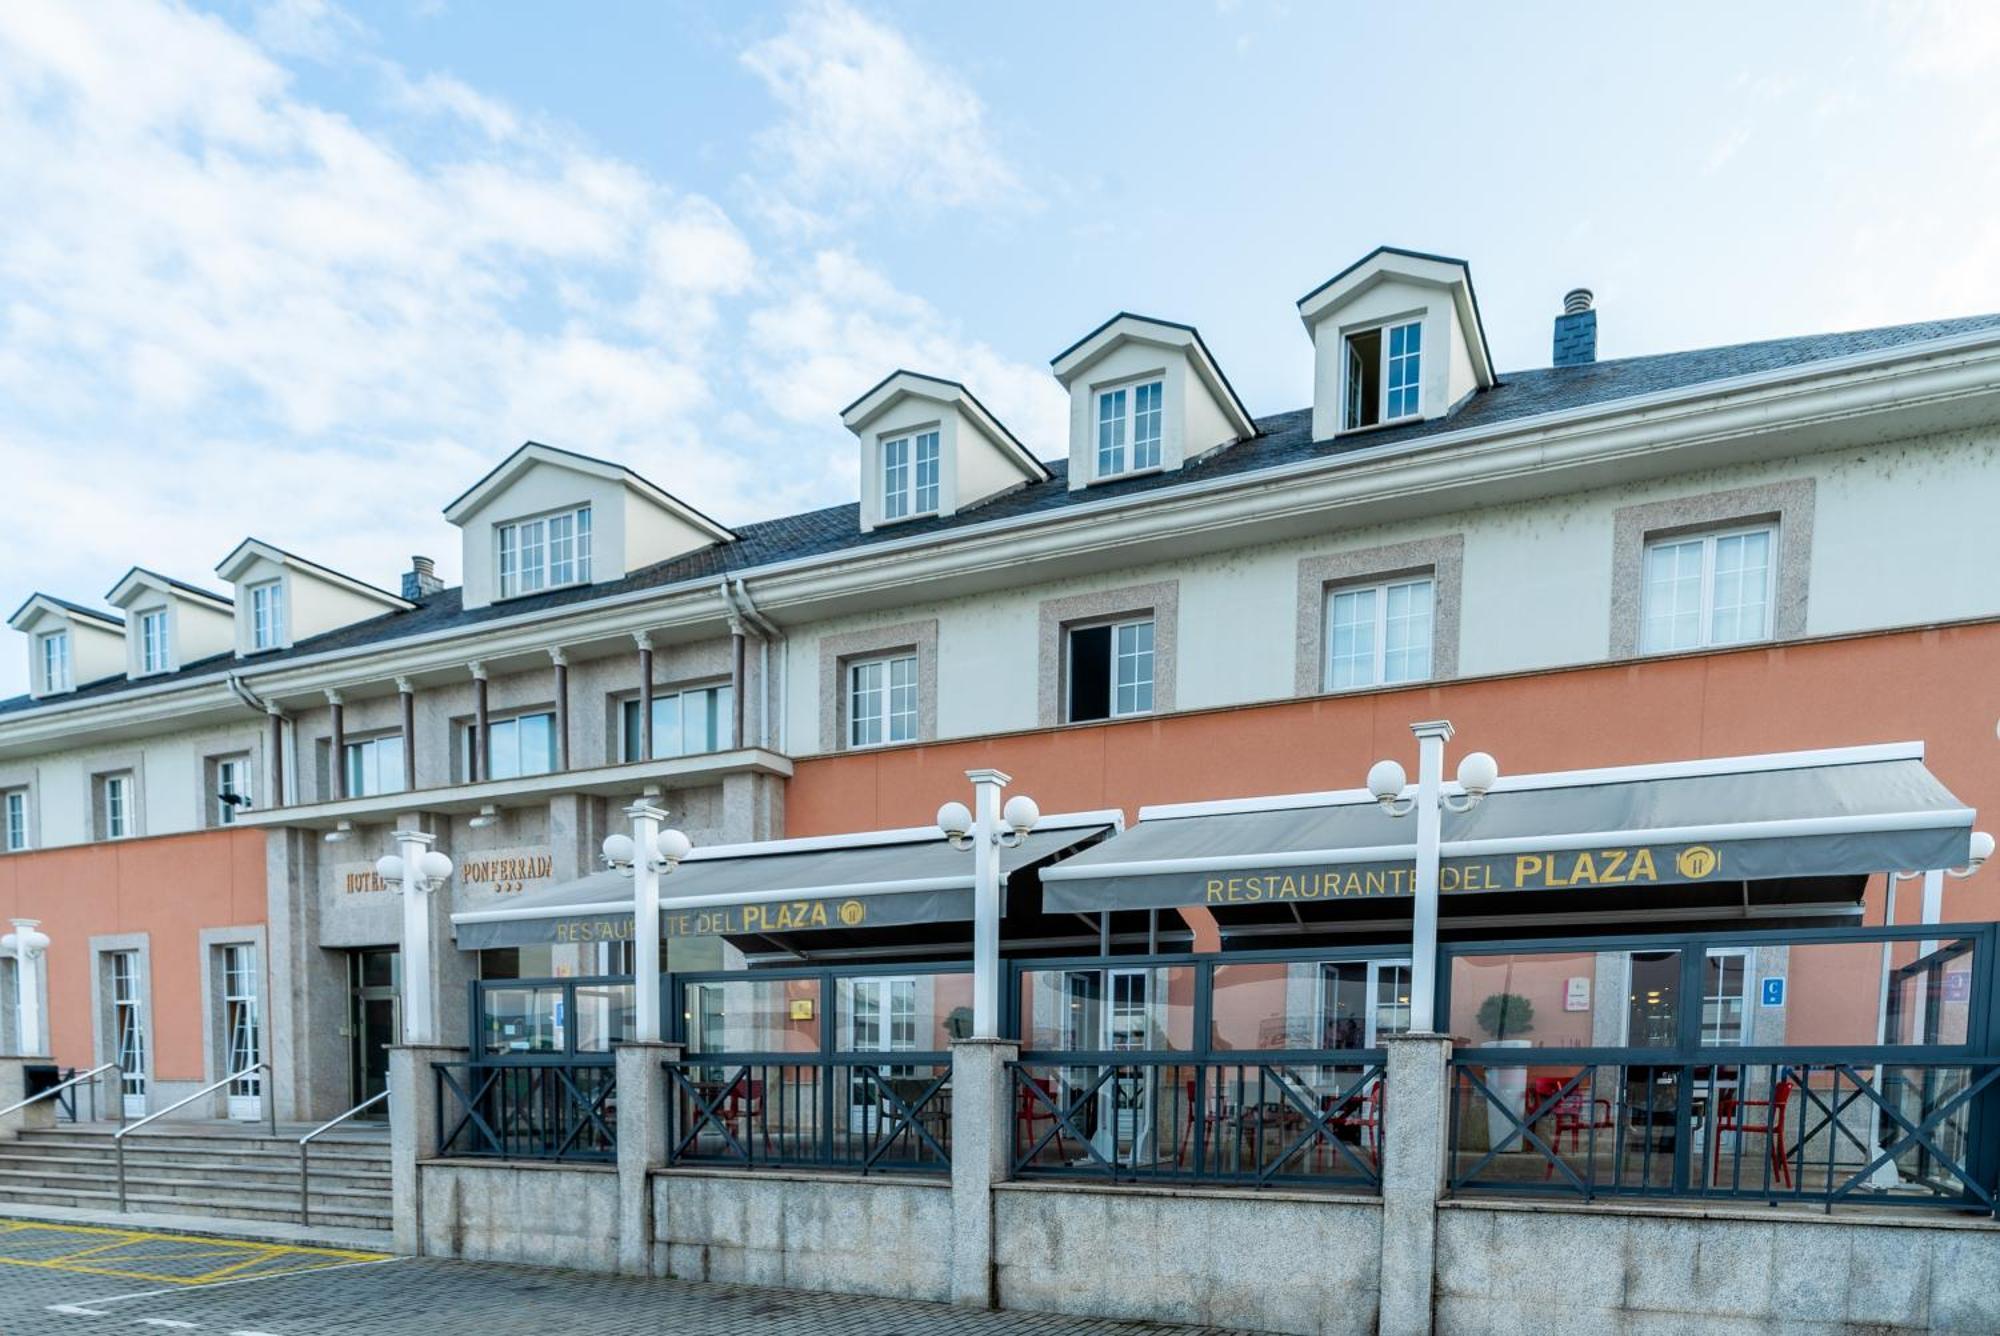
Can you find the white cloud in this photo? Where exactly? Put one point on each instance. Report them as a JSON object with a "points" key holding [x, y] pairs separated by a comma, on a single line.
{"points": [[870, 119]]}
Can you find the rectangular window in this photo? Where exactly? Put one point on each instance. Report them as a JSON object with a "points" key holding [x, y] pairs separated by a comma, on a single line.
{"points": [[232, 789], [1377, 634], [55, 661], [1725, 997], [546, 552], [128, 1028], [1708, 589], [117, 806], [522, 745], [242, 1029], [1131, 414], [1384, 375], [694, 722], [1111, 670], [153, 641], [267, 615], [375, 765], [910, 488], [882, 701], [16, 818]]}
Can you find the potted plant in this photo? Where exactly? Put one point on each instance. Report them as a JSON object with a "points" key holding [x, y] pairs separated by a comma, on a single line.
{"points": [[1506, 1017]]}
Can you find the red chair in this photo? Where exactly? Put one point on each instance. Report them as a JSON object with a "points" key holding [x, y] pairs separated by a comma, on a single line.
{"points": [[1729, 1117], [1363, 1113], [1575, 1114], [1030, 1109], [743, 1102]]}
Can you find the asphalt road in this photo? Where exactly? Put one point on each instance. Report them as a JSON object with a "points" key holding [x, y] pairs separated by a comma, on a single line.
{"points": [[64, 1279]]}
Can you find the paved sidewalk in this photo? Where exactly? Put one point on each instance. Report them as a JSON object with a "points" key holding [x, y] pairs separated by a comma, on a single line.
{"points": [[286, 1232], [70, 1286]]}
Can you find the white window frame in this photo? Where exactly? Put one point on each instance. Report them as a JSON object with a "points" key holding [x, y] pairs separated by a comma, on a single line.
{"points": [[153, 633], [54, 661], [1378, 667], [1352, 375], [1741, 996], [369, 753], [14, 820], [912, 478], [557, 561], [1705, 612], [891, 725], [128, 1028], [232, 775], [267, 614], [1123, 401], [118, 824], [1151, 682], [242, 1029]]}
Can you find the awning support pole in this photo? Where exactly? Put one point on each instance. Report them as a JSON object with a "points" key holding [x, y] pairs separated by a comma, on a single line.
{"points": [[646, 921], [1431, 737], [986, 831], [419, 1004]]}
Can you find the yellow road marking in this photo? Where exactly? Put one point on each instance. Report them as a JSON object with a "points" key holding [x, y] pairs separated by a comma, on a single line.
{"points": [[244, 1256]]}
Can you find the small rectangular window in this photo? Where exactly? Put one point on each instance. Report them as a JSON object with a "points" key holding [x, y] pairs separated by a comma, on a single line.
{"points": [[1130, 415], [1378, 634], [693, 722], [232, 789], [882, 701], [55, 661], [153, 641], [1705, 590], [546, 552], [1383, 375], [267, 615], [910, 476], [1110, 670], [375, 766], [16, 820], [117, 806], [522, 745]]}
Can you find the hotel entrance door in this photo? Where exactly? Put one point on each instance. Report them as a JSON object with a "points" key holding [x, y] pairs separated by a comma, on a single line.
{"points": [[374, 979]]}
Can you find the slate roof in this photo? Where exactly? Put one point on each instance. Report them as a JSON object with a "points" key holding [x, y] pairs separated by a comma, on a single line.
{"points": [[1282, 438]]}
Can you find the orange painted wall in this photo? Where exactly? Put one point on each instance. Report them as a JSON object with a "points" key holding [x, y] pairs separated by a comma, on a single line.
{"points": [[1940, 685], [169, 887]]}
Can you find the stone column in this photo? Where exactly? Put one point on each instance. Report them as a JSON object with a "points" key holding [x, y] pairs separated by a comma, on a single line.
{"points": [[338, 767], [981, 1132], [14, 1089], [413, 1131], [643, 1119], [1414, 1155]]}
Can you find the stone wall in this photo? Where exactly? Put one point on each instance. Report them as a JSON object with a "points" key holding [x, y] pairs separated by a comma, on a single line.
{"points": [[1271, 1260], [1505, 1267], [839, 1233], [544, 1215]]}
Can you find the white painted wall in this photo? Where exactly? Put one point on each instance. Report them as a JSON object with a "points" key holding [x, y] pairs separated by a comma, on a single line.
{"points": [[1446, 367], [1192, 422]]}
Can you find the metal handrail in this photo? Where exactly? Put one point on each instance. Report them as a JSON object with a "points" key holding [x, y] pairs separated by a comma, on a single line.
{"points": [[270, 1108], [305, 1151], [78, 1079]]}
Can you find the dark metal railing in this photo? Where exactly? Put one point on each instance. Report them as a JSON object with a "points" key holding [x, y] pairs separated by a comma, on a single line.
{"points": [[851, 1111], [564, 1110], [1316, 1120], [1822, 1131]]}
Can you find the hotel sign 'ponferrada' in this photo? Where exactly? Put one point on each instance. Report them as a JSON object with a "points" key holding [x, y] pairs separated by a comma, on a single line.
{"points": [[1645, 865]]}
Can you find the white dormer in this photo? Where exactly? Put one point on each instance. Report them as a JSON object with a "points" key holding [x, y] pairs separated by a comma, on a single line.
{"points": [[1145, 396], [928, 447], [547, 518], [282, 599], [169, 623], [68, 645], [1396, 338]]}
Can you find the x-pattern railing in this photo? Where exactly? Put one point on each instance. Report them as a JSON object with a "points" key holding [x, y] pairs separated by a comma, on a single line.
{"points": [[539, 1111], [804, 1111]]}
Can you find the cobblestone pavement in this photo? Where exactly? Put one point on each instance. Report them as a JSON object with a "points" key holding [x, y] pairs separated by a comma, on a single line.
{"points": [[84, 1285]]}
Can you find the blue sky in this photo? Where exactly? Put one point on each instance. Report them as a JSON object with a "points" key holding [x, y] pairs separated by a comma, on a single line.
{"points": [[305, 271]]}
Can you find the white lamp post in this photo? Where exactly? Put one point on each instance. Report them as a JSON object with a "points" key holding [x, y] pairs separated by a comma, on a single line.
{"points": [[985, 830], [28, 947], [643, 855], [419, 870], [1477, 773]]}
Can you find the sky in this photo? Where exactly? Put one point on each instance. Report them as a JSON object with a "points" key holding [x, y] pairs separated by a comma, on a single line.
{"points": [[304, 271]]}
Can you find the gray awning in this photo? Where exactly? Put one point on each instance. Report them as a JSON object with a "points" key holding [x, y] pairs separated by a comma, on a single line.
{"points": [[1851, 811], [785, 886]]}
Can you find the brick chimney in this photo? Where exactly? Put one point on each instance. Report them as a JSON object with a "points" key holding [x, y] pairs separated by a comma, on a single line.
{"points": [[1576, 329], [421, 580]]}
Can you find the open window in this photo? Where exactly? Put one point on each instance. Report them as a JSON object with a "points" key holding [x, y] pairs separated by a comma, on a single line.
{"points": [[1384, 375]]}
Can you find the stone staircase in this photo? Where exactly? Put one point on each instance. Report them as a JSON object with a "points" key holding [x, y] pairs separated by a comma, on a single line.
{"points": [[226, 1170]]}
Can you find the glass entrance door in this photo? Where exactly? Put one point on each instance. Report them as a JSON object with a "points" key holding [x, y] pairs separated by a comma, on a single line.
{"points": [[128, 1018], [374, 1021], [242, 1032]]}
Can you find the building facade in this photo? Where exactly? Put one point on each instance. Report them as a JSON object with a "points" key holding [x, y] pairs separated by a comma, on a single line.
{"points": [[1768, 547]]}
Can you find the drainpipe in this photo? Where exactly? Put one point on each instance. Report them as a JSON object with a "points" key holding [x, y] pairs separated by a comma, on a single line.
{"points": [[768, 632], [279, 721]]}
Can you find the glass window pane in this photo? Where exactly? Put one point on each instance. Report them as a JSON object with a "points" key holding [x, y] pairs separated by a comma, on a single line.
{"points": [[1567, 999], [1351, 638], [927, 472], [1671, 598], [753, 1016], [1096, 1009], [1741, 588], [1406, 655], [1111, 433], [1146, 420]]}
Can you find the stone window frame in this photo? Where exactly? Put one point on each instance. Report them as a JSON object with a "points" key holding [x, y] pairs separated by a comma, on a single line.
{"points": [[132, 767], [21, 780], [838, 651], [1057, 617], [1787, 504], [104, 1037], [1442, 558], [211, 784], [214, 1038]]}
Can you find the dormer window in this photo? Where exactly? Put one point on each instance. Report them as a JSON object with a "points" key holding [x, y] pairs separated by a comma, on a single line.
{"points": [[1129, 413], [1384, 375], [55, 662], [544, 553], [267, 615], [153, 641], [910, 476]]}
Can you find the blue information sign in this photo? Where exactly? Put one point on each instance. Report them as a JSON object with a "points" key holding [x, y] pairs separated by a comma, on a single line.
{"points": [[1774, 990]]}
